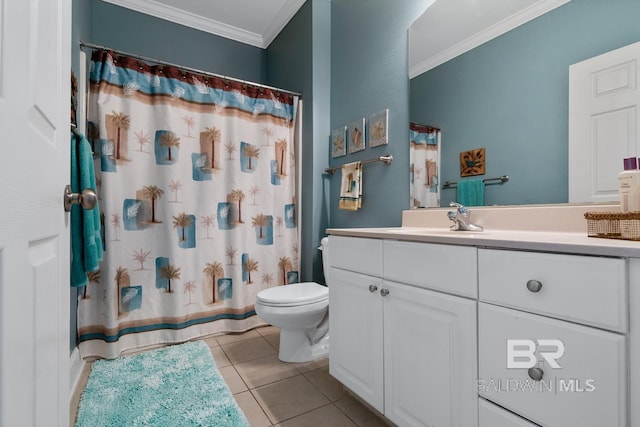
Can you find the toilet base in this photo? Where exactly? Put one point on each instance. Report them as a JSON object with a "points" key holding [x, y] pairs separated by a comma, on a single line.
{"points": [[294, 347]]}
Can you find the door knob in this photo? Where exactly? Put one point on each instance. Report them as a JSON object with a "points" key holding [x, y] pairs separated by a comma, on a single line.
{"points": [[373, 288], [384, 292], [87, 199]]}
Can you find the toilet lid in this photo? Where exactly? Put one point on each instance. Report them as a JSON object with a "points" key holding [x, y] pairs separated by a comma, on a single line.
{"points": [[294, 294]]}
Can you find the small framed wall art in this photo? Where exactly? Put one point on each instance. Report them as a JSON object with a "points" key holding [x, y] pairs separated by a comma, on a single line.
{"points": [[378, 125], [339, 142], [472, 162], [355, 134]]}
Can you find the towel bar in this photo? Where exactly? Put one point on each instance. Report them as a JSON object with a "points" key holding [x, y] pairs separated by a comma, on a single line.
{"points": [[501, 180], [387, 158]]}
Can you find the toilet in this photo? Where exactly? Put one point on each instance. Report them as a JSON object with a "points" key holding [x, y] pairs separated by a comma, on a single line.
{"points": [[301, 311]]}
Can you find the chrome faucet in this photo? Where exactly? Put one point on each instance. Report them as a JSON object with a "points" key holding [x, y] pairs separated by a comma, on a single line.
{"points": [[461, 218]]}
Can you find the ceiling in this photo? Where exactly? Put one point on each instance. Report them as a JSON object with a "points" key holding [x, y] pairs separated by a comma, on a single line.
{"points": [[447, 29], [253, 22]]}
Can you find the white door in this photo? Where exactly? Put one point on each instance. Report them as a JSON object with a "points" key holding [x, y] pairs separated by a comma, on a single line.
{"points": [[604, 122], [35, 50], [355, 322], [430, 358]]}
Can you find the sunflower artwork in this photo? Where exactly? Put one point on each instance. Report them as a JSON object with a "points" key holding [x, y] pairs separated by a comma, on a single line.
{"points": [[472, 162]]}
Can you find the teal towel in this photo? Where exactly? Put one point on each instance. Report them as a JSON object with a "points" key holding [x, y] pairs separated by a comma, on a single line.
{"points": [[471, 192], [86, 243]]}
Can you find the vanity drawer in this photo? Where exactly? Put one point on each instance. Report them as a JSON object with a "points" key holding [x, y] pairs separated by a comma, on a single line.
{"points": [[356, 254], [448, 268], [587, 388], [491, 415], [583, 289]]}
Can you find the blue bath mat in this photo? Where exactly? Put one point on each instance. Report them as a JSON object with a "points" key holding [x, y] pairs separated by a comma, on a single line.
{"points": [[172, 386]]}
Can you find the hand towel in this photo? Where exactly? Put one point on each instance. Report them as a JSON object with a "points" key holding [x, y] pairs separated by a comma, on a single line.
{"points": [[470, 192], [86, 241], [351, 187]]}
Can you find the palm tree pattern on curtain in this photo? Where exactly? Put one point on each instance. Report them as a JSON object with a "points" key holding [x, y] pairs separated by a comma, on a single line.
{"points": [[195, 173]]}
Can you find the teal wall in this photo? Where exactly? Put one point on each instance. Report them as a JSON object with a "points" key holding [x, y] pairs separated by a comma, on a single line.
{"points": [[299, 58], [123, 29], [369, 74], [510, 96], [82, 11]]}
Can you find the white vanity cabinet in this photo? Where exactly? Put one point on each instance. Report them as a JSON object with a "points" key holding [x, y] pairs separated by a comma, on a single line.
{"points": [[530, 323], [490, 415], [355, 316], [407, 350], [562, 370], [429, 357]]}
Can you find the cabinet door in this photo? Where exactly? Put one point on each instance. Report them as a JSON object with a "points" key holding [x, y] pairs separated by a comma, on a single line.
{"points": [[491, 415], [355, 325], [578, 379], [430, 351]]}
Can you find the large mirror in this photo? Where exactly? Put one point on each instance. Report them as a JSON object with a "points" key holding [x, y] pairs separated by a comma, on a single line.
{"points": [[509, 95]]}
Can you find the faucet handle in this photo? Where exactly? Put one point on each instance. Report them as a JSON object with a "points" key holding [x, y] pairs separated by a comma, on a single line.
{"points": [[461, 208]]}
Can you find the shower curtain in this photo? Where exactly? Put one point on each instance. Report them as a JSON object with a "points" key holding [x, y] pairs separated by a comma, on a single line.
{"points": [[196, 180], [424, 161]]}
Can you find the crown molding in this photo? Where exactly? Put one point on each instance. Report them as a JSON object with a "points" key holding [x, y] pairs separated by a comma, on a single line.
{"points": [[283, 17], [486, 35], [169, 13]]}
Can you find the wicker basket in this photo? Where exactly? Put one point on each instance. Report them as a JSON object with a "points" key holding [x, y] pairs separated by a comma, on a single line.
{"points": [[613, 225]]}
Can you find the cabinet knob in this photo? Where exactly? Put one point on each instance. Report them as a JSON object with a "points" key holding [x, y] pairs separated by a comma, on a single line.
{"points": [[384, 292], [372, 288], [534, 285], [535, 374]]}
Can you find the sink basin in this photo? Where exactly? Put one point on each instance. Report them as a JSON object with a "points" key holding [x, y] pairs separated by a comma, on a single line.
{"points": [[449, 232], [434, 232]]}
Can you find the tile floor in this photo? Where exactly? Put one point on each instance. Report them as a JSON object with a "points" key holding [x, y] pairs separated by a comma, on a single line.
{"points": [[274, 393]]}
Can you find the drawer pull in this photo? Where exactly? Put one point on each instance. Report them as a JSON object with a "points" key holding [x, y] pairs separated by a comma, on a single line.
{"points": [[384, 292], [535, 374], [373, 288], [534, 285]]}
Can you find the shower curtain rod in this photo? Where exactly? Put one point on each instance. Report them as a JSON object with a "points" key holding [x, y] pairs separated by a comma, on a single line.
{"points": [[181, 67]]}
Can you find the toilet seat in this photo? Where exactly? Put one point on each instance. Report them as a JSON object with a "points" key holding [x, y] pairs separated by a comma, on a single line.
{"points": [[293, 295]]}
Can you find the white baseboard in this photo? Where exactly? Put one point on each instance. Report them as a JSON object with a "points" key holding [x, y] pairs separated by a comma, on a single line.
{"points": [[76, 366]]}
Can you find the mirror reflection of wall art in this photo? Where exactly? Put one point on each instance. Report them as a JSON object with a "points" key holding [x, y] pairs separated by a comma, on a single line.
{"points": [[378, 124], [339, 142], [355, 134], [472, 162]]}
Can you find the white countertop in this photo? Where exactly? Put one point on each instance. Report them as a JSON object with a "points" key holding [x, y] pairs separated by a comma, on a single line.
{"points": [[574, 243], [540, 235]]}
